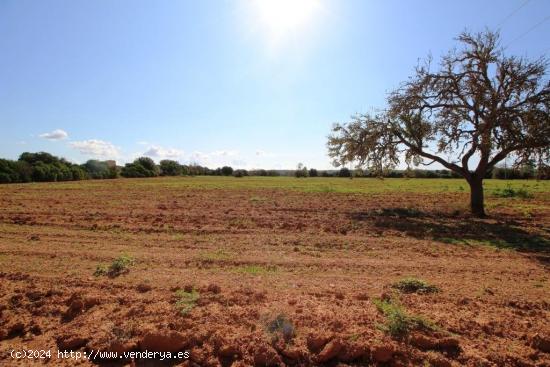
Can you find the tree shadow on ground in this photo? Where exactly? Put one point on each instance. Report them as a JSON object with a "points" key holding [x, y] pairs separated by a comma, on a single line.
{"points": [[453, 228]]}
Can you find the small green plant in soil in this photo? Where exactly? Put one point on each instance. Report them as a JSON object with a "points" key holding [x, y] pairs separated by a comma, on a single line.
{"points": [[119, 266], [413, 285], [186, 301], [510, 192], [398, 321]]}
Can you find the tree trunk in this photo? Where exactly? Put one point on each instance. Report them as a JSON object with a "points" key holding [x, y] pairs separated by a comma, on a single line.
{"points": [[476, 197]]}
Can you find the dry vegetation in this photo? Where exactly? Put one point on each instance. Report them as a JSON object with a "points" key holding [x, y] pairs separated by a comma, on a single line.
{"points": [[277, 271]]}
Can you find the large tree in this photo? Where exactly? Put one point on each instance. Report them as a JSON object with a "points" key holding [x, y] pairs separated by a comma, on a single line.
{"points": [[479, 107]]}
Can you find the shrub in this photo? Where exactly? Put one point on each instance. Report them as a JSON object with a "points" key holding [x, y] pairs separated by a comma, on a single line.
{"points": [[240, 173], [170, 168], [398, 322], [141, 167], [119, 266], [97, 169], [273, 173], [9, 171], [510, 192], [186, 301], [226, 171], [344, 172], [101, 269], [301, 171], [413, 285], [78, 173]]}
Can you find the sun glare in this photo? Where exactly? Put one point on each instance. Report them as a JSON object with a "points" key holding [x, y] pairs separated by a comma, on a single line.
{"points": [[284, 17]]}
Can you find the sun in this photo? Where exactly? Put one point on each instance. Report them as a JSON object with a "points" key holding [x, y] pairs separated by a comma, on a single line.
{"points": [[281, 18]]}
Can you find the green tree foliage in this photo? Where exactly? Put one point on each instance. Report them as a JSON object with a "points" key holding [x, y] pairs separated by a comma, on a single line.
{"points": [[227, 171], [99, 169], [301, 171], [196, 170], [170, 168], [141, 167], [313, 172], [39, 167], [344, 172], [477, 107], [240, 173], [13, 171]]}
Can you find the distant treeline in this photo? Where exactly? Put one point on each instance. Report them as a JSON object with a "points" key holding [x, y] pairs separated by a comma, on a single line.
{"points": [[43, 167], [501, 173]]}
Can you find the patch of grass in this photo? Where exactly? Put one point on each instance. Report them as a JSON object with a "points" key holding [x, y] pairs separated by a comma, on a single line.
{"points": [[186, 301], [241, 223], [178, 236], [101, 269], [256, 269], [257, 199], [319, 184], [413, 285], [281, 324], [510, 192], [212, 256], [119, 266], [398, 321], [323, 188]]}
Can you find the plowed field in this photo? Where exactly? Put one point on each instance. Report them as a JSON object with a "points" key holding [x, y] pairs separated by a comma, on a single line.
{"points": [[275, 271]]}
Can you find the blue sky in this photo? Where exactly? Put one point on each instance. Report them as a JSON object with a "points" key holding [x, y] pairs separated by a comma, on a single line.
{"points": [[245, 83]]}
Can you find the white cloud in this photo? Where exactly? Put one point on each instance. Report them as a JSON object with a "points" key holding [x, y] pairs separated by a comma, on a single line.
{"points": [[239, 163], [224, 153], [263, 153], [163, 153], [57, 134], [199, 158], [218, 158], [96, 148]]}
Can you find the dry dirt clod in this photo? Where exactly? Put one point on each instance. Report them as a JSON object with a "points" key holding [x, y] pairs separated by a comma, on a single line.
{"points": [[76, 307], [15, 329], [293, 353], [383, 353], [229, 350], [330, 350], [266, 356], [448, 343], [163, 341], [214, 288], [439, 361], [119, 346], [71, 342], [541, 342], [143, 288], [423, 342]]}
